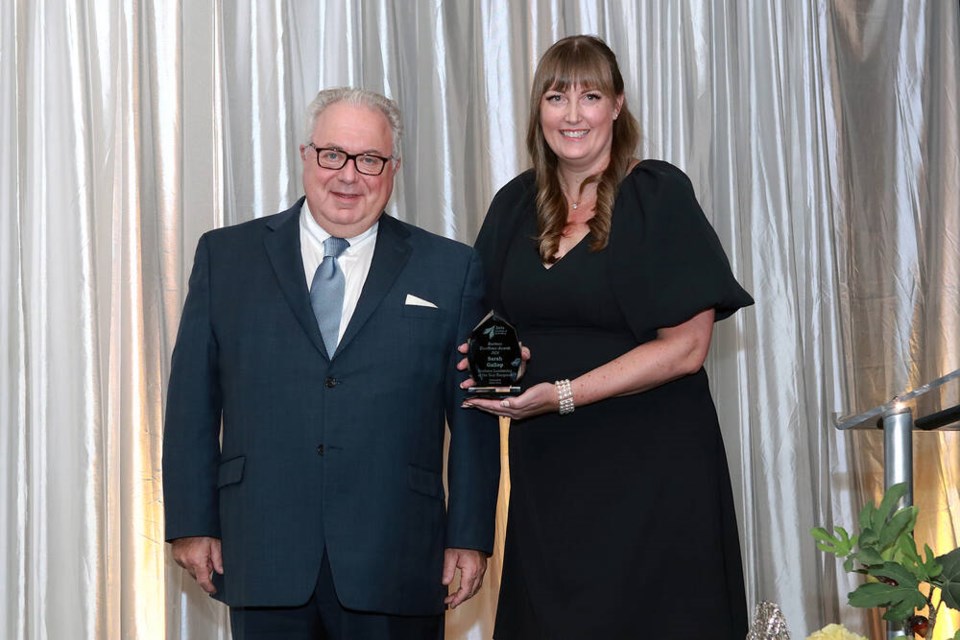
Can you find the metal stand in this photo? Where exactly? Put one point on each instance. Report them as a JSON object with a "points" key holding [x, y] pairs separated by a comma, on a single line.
{"points": [[938, 405], [898, 452]]}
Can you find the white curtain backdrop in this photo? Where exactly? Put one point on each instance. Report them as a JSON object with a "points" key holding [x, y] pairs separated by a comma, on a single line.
{"points": [[821, 135]]}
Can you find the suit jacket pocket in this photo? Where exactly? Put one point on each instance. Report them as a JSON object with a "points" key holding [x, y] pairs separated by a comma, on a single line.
{"points": [[424, 481], [416, 311], [231, 471]]}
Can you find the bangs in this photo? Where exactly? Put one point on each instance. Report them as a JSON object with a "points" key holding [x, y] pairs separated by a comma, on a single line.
{"points": [[572, 66]]}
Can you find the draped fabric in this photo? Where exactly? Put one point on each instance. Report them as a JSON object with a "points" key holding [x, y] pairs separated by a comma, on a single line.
{"points": [[821, 136]]}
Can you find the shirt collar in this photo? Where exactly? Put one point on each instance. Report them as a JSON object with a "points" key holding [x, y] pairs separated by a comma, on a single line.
{"points": [[319, 234]]}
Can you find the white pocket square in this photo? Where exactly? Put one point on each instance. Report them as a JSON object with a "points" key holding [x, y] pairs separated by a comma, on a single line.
{"points": [[418, 302]]}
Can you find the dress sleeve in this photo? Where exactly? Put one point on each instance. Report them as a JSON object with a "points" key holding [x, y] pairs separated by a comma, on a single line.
{"points": [[668, 263]]}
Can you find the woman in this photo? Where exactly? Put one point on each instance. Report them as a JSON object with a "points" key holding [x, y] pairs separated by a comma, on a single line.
{"points": [[621, 520]]}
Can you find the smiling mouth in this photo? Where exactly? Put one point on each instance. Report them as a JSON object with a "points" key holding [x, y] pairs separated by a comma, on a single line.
{"points": [[576, 135]]}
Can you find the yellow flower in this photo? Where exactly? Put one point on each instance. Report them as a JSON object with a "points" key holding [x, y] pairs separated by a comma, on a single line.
{"points": [[834, 632]]}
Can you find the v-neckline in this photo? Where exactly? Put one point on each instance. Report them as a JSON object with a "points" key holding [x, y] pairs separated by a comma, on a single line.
{"points": [[548, 267]]}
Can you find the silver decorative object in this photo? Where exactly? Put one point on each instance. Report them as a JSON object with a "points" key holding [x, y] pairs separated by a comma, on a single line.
{"points": [[768, 623]]}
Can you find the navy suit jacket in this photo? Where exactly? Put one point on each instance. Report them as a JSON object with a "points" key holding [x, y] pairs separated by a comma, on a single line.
{"points": [[341, 452]]}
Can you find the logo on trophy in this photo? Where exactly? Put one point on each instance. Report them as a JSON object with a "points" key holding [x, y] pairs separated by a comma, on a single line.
{"points": [[494, 356]]}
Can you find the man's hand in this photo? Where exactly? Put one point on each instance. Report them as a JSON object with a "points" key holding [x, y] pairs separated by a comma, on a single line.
{"points": [[472, 565], [200, 556]]}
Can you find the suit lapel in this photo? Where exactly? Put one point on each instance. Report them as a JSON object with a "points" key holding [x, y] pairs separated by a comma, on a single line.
{"points": [[389, 256], [283, 249]]}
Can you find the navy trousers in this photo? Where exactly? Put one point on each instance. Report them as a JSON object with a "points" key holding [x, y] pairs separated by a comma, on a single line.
{"points": [[324, 618]]}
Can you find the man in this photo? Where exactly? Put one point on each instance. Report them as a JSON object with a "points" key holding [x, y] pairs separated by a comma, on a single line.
{"points": [[321, 514]]}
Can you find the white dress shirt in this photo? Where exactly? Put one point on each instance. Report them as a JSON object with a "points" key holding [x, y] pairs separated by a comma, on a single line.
{"points": [[354, 261]]}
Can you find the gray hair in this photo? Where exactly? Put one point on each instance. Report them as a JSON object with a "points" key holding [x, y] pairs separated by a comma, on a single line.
{"points": [[358, 97]]}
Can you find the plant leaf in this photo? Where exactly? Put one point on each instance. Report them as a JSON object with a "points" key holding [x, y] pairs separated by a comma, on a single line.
{"points": [[906, 554], [931, 567], [949, 578], [901, 524], [907, 547], [896, 572], [901, 599], [867, 514], [890, 499], [869, 557], [838, 543], [869, 537], [821, 534]]}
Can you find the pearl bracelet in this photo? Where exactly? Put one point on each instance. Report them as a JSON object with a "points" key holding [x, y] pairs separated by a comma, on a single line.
{"points": [[565, 396]]}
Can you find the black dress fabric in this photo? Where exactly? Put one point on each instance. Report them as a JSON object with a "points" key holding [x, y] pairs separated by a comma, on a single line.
{"points": [[621, 520]]}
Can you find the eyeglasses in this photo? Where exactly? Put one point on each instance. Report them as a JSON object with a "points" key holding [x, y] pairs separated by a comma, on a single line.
{"points": [[366, 163]]}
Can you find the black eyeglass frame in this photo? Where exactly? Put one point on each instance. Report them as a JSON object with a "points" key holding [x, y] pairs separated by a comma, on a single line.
{"points": [[351, 156]]}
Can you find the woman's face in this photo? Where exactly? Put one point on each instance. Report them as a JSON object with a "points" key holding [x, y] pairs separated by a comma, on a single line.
{"points": [[577, 124]]}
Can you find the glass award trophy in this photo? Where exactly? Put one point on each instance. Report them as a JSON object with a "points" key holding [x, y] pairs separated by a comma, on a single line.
{"points": [[494, 356]]}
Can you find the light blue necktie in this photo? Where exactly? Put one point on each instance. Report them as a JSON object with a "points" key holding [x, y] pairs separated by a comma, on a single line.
{"points": [[326, 292]]}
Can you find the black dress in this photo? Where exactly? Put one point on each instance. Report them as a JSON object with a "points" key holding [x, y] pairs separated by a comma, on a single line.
{"points": [[621, 520]]}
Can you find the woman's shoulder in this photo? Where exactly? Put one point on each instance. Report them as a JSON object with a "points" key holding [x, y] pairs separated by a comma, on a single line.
{"points": [[657, 186], [506, 211], [651, 173], [656, 197], [513, 198], [517, 187]]}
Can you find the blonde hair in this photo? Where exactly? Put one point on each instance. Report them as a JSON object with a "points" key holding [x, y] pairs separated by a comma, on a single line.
{"points": [[587, 62]]}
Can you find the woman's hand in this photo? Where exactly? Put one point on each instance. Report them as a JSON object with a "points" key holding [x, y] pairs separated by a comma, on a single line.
{"points": [[538, 399]]}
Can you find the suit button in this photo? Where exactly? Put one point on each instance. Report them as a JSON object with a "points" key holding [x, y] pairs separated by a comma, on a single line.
{"points": [[319, 449], [331, 382]]}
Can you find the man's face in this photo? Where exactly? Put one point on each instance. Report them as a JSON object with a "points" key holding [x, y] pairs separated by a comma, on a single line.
{"points": [[344, 201]]}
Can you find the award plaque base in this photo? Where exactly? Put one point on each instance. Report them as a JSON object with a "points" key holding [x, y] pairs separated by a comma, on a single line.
{"points": [[493, 392]]}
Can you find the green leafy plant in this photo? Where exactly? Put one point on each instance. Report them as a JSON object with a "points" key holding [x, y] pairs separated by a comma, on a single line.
{"points": [[898, 578]]}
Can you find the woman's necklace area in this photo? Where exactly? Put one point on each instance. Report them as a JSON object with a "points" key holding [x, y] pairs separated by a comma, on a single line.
{"points": [[574, 204]]}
